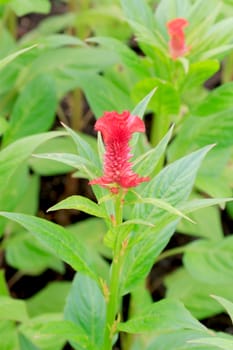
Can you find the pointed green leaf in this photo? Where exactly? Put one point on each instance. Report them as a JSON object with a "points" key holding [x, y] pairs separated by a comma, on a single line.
{"points": [[166, 206], [146, 163], [37, 330], [17, 152], [22, 7], [140, 109], [8, 335], [86, 308], [26, 344], [211, 261], [139, 12], [83, 147], [80, 203], [50, 299], [68, 331], [72, 160], [162, 317], [199, 72], [174, 183], [58, 240], [178, 340], [210, 229], [22, 248], [195, 294], [33, 111], [220, 342], [12, 309], [196, 204], [165, 102], [10, 58], [228, 305]]}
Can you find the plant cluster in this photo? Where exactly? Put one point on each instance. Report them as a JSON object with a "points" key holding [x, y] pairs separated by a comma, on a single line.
{"points": [[161, 163]]}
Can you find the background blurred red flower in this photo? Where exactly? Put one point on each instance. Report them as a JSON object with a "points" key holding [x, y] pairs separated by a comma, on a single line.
{"points": [[177, 45]]}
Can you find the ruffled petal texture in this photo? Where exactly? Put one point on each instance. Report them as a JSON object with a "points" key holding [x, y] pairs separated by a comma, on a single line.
{"points": [[117, 130], [177, 44]]}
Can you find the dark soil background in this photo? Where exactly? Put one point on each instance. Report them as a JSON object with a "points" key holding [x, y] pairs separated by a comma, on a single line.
{"points": [[53, 189]]}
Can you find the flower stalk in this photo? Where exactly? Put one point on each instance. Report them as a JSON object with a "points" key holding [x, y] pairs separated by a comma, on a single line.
{"points": [[114, 297], [118, 176]]}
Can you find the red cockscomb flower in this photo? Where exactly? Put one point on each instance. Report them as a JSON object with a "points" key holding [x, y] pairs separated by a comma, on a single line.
{"points": [[177, 45], [117, 130]]}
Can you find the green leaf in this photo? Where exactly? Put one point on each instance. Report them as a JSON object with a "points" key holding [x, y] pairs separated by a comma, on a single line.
{"points": [[38, 331], [22, 248], [220, 342], [216, 102], [166, 100], [3, 125], [57, 239], [173, 185], [26, 344], [84, 148], [86, 308], [48, 167], [84, 166], [210, 122], [33, 111], [13, 177], [147, 162], [8, 335], [178, 340], [59, 40], [16, 153], [198, 73], [228, 305], [162, 317], [195, 204], [50, 25], [80, 203], [211, 228], [50, 299], [12, 309], [5, 61], [70, 60], [103, 94], [170, 9], [139, 12], [16, 188], [64, 331], [211, 261], [91, 231], [129, 58], [23, 7], [141, 107], [195, 294], [166, 206], [3, 284], [139, 111]]}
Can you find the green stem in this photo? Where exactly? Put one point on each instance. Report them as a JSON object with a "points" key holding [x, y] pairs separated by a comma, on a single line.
{"points": [[113, 303], [159, 127], [76, 105]]}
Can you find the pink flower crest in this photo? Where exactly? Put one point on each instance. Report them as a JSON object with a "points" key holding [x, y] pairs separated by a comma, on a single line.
{"points": [[117, 130], [177, 45]]}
